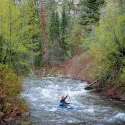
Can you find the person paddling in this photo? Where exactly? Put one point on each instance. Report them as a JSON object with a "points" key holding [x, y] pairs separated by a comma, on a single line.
{"points": [[62, 101]]}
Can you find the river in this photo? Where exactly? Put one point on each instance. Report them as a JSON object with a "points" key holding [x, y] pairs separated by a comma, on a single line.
{"points": [[96, 108]]}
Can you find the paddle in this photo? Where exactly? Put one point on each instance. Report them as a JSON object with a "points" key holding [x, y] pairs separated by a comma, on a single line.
{"points": [[69, 97]]}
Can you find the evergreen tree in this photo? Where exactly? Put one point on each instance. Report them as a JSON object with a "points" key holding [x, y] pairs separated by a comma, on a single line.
{"points": [[31, 22], [75, 39], [29, 30], [54, 36], [89, 12], [52, 26], [57, 24], [49, 5], [68, 5], [64, 24]]}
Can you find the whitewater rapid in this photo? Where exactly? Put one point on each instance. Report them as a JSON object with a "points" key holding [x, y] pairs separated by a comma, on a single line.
{"points": [[96, 109]]}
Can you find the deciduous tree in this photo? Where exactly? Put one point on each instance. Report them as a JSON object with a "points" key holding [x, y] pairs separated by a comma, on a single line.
{"points": [[108, 43]]}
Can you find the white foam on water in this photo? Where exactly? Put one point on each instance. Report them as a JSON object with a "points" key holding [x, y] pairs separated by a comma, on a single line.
{"points": [[74, 121], [50, 95], [120, 116], [53, 109], [45, 93], [55, 95], [50, 82], [56, 86], [70, 121], [48, 91], [89, 110], [42, 105], [77, 92], [37, 89], [74, 95], [109, 119], [27, 95], [83, 85], [50, 77], [34, 99], [53, 87]]}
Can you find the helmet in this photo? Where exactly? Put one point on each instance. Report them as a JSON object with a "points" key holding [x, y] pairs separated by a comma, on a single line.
{"points": [[62, 97]]}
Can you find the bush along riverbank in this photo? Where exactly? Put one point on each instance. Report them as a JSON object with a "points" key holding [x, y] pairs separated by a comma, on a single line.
{"points": [[13, 109], [83, 67]]}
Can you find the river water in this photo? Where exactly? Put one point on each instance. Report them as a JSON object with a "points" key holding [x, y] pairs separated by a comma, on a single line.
{"points": [[96, 109]]}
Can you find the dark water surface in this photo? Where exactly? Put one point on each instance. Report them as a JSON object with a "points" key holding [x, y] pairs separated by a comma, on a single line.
{"points": [[97, 110]]}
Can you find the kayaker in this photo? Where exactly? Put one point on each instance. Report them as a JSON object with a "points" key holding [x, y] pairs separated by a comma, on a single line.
{"points": [[62, 101]]}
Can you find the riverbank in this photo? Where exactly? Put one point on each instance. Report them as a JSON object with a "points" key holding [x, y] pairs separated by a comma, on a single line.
{"points": [[13, 108], [78, 68]]}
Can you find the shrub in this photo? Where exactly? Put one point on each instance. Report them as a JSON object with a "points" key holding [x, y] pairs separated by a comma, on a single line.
{"points": [[11, 105]]}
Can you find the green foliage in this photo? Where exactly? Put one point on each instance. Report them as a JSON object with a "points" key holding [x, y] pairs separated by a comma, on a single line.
{"points": [[90, 9], [89, 13], [10, 87], [59, 30], [64, 24], [54, 37], [9, 82], [68, 5], [33, 33], [52, 27], [75, 39], [18, 32], [49, 5], [1, 49], [122, 76], [107, 44], [18, 44]]}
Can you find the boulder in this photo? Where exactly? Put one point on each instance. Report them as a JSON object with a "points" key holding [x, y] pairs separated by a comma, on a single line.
{"points": [[88, 88]]}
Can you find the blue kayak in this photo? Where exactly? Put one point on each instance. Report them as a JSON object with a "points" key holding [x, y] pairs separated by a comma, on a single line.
{"points": [[66, 107]]}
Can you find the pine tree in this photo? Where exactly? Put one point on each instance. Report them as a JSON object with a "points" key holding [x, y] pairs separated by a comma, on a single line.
{"points": [[75, 39], [90, 11], [52, 27], [57, 24], [54, 37], [49, 5], [64, 24], [32, 28]]}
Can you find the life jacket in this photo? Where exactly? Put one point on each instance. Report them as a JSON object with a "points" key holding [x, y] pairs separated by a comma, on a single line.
{"points": [[62, 102]]}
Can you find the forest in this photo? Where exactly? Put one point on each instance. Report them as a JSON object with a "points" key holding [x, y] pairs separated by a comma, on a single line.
{"points": [[41, 34]]}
